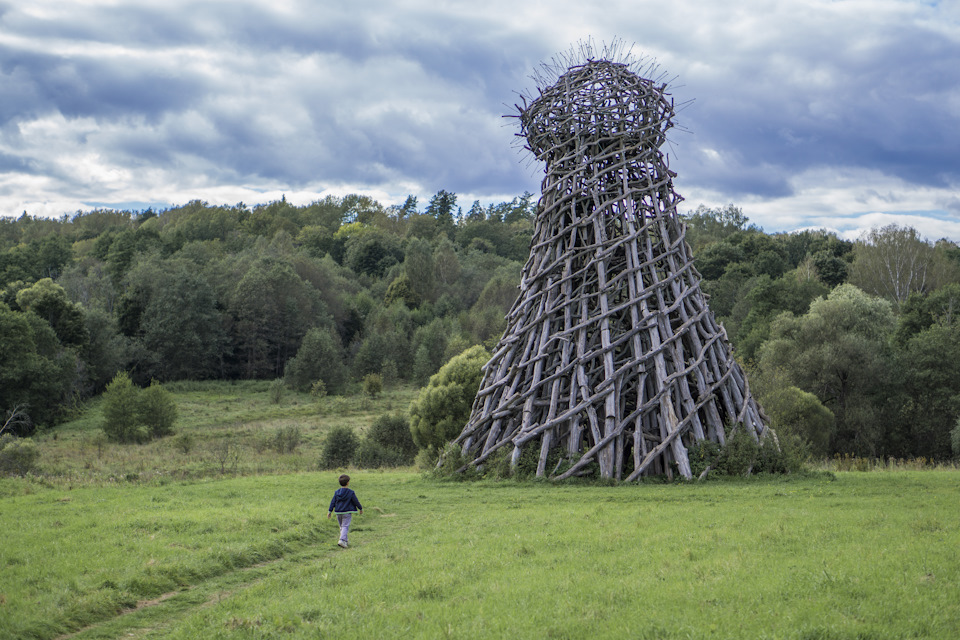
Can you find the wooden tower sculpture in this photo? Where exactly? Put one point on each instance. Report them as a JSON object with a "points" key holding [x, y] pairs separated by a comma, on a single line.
{"points": [[611, 354]]}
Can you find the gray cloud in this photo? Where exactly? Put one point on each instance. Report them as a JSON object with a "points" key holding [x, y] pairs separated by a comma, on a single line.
{"points": [[882, 98], [130, 101], [951, 205]]}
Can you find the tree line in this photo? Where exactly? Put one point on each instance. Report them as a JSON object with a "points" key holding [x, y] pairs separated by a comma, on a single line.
{"points": [[852, 345]]}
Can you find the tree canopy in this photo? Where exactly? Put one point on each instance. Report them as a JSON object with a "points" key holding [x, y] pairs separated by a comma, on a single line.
{"points": [[345, 287]]}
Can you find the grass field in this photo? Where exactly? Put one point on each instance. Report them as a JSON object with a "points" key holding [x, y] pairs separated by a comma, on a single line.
{"points": [[223, 428], [170, 541], [867, 555]]}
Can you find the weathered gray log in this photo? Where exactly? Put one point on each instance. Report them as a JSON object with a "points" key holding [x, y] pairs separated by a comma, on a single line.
{"points": [[611, 354]]}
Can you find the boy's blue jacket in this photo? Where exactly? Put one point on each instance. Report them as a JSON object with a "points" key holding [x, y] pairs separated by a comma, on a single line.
{"points": [[344, 501]]}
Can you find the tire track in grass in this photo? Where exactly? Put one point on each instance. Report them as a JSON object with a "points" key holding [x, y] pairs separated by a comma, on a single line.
{"points": [[141, 604], [150, 615], [196, 595]]}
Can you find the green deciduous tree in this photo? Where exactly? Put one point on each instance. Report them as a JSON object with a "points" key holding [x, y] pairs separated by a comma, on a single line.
{"points": [[48, 300], [386, 336], [53, 254], [894, 261], [36, 371], [419, 268], [766, 299], [713, 260], [273, 308], [401, 290], [487, 318], [798, 412], [183, 325], [706, 225], [839, 352], [831, 269], [105, 352], [921, 311], [372, 251], [430, 342], [173, 316], [443, 406], [320, 357], [928, 372], [446, 263]]}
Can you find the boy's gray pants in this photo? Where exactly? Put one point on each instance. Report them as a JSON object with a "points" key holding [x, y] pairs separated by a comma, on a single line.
{"points": [[344, 520]]}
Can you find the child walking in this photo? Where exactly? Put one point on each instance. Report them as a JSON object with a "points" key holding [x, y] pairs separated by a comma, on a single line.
{"points": [[344, 503]]}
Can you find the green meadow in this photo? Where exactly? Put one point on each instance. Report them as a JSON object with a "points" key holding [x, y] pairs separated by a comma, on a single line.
{"points": [[215, 533], [224, 428], [845, 555]]}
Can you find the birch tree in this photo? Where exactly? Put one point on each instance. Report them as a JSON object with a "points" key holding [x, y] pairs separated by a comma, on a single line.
{"points": [[893, 262]]}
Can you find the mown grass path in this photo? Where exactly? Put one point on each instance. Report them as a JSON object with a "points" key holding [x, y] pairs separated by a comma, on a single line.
{"points": [[870, 555]]}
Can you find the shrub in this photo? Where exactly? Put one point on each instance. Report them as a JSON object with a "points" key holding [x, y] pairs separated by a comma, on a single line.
{"points": [[121, 411], [158, 411], [18, 456], [183, 443], [372, 384], [770, 458], [286, 439], [373, 455], [742, 454], [227, 454], [451, 460], [426, 459], [134, 415], [498, 466], [702, 455], [387, 444], [276, 390], [318, 390], [787, 458], [528, 461], [739, 455], [392, 431], [339, 448]]}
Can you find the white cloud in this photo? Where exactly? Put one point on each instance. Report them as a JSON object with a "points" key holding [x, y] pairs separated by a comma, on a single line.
{"points": [[803, 113], [847, 201]]}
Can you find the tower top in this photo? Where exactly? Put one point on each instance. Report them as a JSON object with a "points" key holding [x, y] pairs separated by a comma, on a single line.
{"points": [[594, 105]]}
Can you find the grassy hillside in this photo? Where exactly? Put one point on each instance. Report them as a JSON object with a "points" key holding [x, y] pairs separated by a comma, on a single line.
{"points": [[224, 428], [870, 555]]}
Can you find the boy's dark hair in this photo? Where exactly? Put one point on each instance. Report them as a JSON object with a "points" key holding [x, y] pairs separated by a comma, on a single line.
{"points": [[344, 480]]}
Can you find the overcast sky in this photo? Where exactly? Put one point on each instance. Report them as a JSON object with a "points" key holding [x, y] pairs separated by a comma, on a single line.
{"points": [[843, 114]]}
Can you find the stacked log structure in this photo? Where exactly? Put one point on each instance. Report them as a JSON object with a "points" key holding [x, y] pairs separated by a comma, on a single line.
{"points": [[611, 354]]}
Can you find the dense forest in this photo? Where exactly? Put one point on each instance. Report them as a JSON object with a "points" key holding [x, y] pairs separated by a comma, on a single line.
{"points": [[854, 347]]}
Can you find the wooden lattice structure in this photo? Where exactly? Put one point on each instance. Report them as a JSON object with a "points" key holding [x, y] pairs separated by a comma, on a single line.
{"points": [[611, 353]]}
